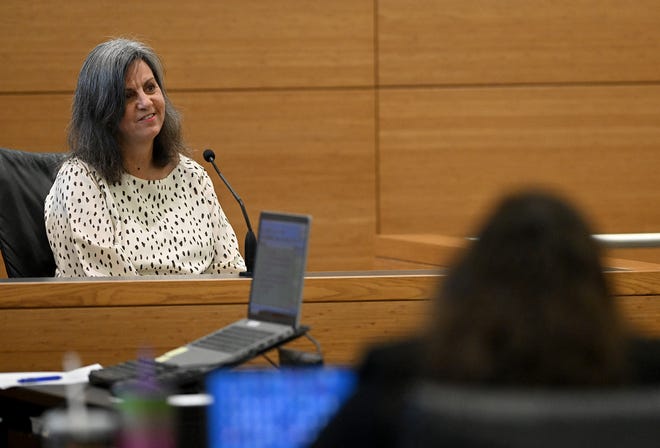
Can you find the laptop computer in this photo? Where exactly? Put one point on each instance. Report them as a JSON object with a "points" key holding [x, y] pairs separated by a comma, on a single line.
{"points": [[275, 298]]}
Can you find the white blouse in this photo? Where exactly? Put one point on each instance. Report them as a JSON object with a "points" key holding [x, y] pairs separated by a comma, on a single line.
{"points": [[173, 225]]}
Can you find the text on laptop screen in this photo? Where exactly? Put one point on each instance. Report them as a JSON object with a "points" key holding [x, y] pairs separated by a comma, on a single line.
{"points": [[279, 269]]}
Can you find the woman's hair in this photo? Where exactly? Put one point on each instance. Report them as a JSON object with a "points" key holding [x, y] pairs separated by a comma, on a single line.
{"points": [[99, 103], [528, 303]]}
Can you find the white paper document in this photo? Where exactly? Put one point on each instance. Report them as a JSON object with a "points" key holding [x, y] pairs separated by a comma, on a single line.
{"points": [[14, 379]]}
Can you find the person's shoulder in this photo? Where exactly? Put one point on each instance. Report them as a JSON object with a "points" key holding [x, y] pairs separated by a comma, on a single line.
{"points": [[644, 360], [73, 167], [189, 163], [393, 361], [74, 163], [371, 415], [190, 167]]}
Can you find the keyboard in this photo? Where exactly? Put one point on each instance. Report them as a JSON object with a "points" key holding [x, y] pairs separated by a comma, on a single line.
{"points": [[134, 371], [232, 339]]}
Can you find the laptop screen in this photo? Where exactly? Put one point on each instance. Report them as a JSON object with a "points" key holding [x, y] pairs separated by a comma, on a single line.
{"points": [[284, 408], [279, 268]]}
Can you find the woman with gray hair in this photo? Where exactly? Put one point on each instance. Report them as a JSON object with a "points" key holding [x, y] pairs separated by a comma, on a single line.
{"points": [[129, 200]]}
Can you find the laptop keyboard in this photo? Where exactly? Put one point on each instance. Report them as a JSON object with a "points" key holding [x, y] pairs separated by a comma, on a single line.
{"points": [[232, 339], [147, 369]]}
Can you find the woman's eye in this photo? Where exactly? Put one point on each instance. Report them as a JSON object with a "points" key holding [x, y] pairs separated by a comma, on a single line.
{"points": [[129, 94], [150, 88]]}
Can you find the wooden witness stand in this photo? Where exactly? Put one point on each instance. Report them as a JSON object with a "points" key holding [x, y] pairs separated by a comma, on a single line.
{"points": [[109, 320]]}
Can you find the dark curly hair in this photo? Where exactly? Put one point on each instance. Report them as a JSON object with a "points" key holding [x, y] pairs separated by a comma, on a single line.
{"points": [[528, 303]]}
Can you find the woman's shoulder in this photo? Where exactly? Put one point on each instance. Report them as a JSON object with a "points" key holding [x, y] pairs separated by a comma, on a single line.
{"points": [[74, 168], [396, 361], [75, 180], [188, 162], [190, 165], [644, 360], [190, 169]]}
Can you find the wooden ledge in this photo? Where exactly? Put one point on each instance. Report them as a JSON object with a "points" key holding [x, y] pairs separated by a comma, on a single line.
{"points": [[205, 290], [629, 277], [426, 248], [440, 250]]}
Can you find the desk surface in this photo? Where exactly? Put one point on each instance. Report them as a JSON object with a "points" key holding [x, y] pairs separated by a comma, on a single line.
{"points": [[47, 397]]}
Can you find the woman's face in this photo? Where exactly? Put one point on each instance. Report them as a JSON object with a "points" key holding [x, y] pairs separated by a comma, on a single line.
{"points": [[145, 106]]}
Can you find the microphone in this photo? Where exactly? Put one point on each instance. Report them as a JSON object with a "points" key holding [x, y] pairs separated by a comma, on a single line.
{"points": [[250, 247]]}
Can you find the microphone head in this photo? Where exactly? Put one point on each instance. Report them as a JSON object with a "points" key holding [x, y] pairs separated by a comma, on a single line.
{"points": [[209, 155]]}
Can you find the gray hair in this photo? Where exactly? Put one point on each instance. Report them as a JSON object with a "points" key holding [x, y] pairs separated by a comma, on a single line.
{"points": [[98, 107]]}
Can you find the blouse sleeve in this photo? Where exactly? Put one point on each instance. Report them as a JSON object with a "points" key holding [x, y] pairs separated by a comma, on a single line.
{"points": [[227, 257], [80, 226]]}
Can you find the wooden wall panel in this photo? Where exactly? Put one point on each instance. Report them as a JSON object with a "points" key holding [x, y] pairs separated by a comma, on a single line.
{"points": [[286, 91], [488, 42], [204, 44], [34, 122], [447, 154], [304, 152]]}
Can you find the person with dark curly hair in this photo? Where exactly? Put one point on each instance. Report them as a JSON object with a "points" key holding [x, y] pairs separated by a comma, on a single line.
{"points": [[526, 305], [129, 200]]}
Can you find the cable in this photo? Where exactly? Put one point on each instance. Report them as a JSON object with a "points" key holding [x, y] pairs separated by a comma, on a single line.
{"points": [[272, 363], [316, 344]]}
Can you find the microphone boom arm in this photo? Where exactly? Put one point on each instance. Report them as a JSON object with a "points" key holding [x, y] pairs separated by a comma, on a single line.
{"points": [[250, 248], [236, 196]]}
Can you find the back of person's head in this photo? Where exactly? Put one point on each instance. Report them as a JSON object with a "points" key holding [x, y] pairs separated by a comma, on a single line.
{"points": [[99, 103], [528, 302]]}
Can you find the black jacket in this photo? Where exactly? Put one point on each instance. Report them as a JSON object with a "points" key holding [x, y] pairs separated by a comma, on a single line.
{"points": [[371, 417]]}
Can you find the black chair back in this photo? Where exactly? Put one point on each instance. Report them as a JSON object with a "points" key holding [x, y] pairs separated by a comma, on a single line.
{"points": [[478, 418], [25, 180]]}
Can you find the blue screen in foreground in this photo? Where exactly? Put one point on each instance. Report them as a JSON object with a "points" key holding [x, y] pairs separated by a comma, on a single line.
{"points": [[274, 408]]}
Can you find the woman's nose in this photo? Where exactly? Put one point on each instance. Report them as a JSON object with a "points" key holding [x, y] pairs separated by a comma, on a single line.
{"points": [[143, 99]]}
